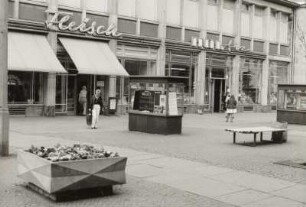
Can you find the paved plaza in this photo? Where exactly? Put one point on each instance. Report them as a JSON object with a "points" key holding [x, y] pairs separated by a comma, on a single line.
{"points": [[200, 167]]}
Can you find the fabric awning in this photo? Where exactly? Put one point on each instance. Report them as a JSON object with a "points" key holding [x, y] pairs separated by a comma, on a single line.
{"points": [[31, 52], [92, 57]]}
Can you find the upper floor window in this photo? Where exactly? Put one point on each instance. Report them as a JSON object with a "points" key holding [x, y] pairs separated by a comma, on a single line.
{"points": [[147, 9], [70, 3], [127, 8], [273, 26], [96, 5], [284, 28], [212, 2], [191, 13], [258, 22], [173, 11], [229, 4]]}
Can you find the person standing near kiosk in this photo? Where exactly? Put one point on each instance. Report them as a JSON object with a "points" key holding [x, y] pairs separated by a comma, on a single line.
{"points": [[96, 105]]}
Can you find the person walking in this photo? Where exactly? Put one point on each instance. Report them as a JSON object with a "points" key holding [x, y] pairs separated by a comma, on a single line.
{"points": [[96, 105], [231, 108], [83, 99]]}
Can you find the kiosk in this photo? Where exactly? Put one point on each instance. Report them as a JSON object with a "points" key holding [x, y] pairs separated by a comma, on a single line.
{"points": [[156, 104], [291, 104]]}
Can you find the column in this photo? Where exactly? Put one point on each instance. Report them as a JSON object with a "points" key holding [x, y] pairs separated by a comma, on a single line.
{"points": [[4, 113], [252, 27], [201, 64], [161, 52], [265, 68], [235, 76], [16, 9], [113, 19], [50, 81]]}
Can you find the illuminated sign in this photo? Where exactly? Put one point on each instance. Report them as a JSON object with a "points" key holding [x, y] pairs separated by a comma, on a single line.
{"points": [[60, 20]]}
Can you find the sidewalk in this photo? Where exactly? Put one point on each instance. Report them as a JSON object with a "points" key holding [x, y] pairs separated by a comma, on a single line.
{"points": [[179, 182]]}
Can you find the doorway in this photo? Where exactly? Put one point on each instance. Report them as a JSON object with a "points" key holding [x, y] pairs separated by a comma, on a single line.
{"points": [[218, 89], [83, 80]]}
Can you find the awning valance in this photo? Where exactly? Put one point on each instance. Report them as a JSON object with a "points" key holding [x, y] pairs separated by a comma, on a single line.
{"points": [[92, 57], [31, 52]]}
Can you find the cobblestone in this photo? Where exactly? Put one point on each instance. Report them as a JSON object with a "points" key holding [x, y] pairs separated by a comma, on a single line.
{"points": [[203, 140]]}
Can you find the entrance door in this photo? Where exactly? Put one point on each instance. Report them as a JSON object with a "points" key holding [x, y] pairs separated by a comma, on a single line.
{"points": [[72, 95], [88, 81], [218, 86]]}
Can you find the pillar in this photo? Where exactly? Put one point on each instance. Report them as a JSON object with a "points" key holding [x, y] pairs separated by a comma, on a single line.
{"points": [[4, 113], [50, 81], [264, 83], [161, 52], [235, 76], [113, 19]]}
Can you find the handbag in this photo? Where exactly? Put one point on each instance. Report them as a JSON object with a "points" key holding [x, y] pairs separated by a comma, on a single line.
{"points": [[89, 117]]}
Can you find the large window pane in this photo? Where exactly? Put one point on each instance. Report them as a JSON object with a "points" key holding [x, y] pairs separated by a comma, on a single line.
{"points": [[173, 11], [212, 17], [250, 81], [191, 13], [20, 87], [278, 74], [127, 7], [134, 67], [96, 5], [60, 97], [70, 3], [258, 22], [147, 9]]}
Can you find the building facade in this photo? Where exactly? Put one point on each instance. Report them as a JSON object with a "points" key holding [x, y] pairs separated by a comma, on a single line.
{"points": [[241, 46]]}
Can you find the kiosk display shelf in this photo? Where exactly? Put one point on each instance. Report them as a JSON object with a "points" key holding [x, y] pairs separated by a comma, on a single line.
{"points": [[291, 103], [156, 104]]}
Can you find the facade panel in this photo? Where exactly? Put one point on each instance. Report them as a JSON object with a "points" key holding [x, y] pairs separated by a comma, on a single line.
{"points": [[212, 17], [173, 12], [127, 8], [191, 13], [147, 9], [96, 5]]}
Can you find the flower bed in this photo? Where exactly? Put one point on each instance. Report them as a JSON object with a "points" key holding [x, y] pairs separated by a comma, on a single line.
{"points": [[78, 167]]}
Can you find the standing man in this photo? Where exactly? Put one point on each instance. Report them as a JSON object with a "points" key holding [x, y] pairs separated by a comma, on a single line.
{"points": [[96, 105], [83, 99]]}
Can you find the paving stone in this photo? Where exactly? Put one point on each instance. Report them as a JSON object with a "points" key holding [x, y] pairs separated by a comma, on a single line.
{"points": [[143, 170], [252, 181], [243, 197], [275, 201], [297, 193]]}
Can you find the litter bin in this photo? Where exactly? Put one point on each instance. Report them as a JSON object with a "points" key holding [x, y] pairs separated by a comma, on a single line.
{"points": [[280, 137]]}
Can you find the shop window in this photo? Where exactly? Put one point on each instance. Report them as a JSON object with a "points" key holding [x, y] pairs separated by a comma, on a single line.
{"points": [[127, 7], [25, 88], [173, 11], [278, 74], [134, 67], [96, 5], [60, 96], [250, 81]]}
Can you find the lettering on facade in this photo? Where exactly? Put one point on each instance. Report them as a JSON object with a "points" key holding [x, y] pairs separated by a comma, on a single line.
{"points": [[61, 21], [214, 44]]}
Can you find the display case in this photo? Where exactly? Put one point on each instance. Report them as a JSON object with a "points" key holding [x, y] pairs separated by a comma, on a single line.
{"points": [[291, 103], [156, 104]]}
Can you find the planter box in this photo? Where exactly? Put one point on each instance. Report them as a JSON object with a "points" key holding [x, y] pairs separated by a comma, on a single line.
{"points": [[55, 177]]}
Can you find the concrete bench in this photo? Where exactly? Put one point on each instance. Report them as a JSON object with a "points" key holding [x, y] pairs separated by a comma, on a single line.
{"points": [[278, 134]]}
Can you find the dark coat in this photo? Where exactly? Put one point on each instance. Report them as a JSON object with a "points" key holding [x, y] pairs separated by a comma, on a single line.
{"points": [[231, 103], [95, 100]]}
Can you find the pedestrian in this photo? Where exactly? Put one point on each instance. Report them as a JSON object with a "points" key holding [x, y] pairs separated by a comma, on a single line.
{"points": [[96, 105], [83, 99], [231, 108]]}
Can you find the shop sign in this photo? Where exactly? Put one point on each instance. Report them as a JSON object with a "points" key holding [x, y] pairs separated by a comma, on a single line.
{"points": [[60, 20]]}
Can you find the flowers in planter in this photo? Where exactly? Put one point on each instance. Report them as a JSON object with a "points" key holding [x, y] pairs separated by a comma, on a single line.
{"points": [[67, 153]]}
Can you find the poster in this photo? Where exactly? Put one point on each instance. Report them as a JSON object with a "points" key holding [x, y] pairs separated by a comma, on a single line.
{"points": [[172, 104], [303, 102], [112, 104]]}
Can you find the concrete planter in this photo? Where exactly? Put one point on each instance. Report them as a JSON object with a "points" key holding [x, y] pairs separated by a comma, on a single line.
{"points": [[55, 177]]}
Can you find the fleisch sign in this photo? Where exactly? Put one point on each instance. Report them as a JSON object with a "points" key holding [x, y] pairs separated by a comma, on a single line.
{"points": [[61, 21]]}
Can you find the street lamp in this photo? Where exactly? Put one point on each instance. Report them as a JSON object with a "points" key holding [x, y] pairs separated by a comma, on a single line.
{"points": [[4, 114]]}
